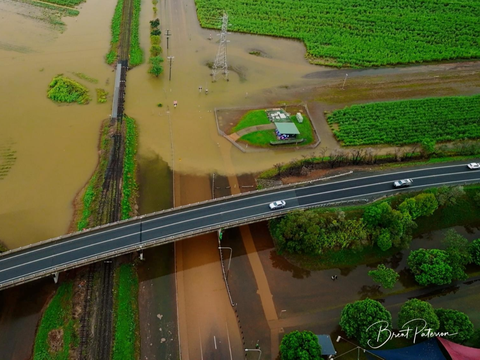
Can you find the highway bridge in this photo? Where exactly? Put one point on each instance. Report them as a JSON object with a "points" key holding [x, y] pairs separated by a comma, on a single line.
{"points": [[78, 249]]}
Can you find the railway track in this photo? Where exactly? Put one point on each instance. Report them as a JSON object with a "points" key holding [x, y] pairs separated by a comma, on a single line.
{"points": [[109, 211]]}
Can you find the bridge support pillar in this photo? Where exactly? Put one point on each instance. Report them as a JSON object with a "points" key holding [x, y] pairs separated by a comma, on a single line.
{"points": [[55, 277]]}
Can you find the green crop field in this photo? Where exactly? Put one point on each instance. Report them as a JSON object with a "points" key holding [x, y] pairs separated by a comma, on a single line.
{"points": [[359, 33], [408, 121]]}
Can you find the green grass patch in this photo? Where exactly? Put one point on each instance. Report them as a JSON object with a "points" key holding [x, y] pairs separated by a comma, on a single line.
{"points": [[115, 28], [408, 121], [252, 118], [359, 33], [129, 186], [136, 53], [125, 343], [63, 89], [86, 77], [57, 317], [262, 138], [101, 96]]}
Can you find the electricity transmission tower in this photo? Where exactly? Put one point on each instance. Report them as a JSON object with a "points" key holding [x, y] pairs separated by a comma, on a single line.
{"points": [[220, 64]]}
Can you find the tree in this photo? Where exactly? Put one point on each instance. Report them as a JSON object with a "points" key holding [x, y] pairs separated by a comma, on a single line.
{"points": [[426, 204], [458, 253], [155, 65], [430, 266], [421, 205], [302, 345], [455, 322], [363, 319], [385, 276], [448, 195], [383, 240], [417, 316], [474, 250]]}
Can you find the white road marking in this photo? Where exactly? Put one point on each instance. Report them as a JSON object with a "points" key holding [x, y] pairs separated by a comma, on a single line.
{"points": [[229, 345], [215, 341]]}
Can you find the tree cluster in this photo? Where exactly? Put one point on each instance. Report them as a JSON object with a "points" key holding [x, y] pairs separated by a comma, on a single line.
{"points": [[416, 317], [440, 267]]}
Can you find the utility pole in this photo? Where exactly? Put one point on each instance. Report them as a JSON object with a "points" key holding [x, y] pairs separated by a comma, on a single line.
{"points": [[168, 37], [344, 80], [170, 59], [221, 58]]}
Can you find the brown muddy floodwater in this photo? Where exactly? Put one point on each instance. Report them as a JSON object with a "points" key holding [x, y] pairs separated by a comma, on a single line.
{"points": [[56, 146]]}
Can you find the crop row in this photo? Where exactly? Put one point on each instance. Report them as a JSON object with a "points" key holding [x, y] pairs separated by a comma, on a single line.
{"points": [[68, 3], [408, 121], [359, 32]]}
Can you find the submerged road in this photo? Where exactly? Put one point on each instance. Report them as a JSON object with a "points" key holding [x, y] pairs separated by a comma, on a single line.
{"points": [[46, 258]]}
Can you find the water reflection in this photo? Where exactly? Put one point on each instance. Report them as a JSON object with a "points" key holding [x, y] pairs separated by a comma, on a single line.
{"points": [[370, 291], [279, 262]]}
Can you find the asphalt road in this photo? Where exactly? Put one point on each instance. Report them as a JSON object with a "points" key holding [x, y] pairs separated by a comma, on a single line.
{"points": [[44, 259]]}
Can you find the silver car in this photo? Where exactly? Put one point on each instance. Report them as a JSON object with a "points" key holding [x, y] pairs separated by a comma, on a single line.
{"points": [[277, 205], [402, 183]]}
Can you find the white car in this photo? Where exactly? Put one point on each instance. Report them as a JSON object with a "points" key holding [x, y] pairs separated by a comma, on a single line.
{"points": [[277, 205], [402, 183], [474, 166]]}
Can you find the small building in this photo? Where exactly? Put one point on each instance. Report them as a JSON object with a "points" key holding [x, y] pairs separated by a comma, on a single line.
{"points": [[286, 129]]}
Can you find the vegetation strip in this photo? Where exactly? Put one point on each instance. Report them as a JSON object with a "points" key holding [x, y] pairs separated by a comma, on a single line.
{"points": [[63, 89], [101, 96], [67, 3], [359, 32], [62, 11], [408, 121], [115, 27], [155, 60], [126, 344], [55, 335], [90, 199], [86, 77], [136, 53], [129, 186]]}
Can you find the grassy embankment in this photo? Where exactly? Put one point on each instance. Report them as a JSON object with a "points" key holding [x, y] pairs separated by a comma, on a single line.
{"points": [[135, 52], [465, 212], [115, 28], [264, 137], [86, 211], [63, 89], [126, 343], [101, 93], [359, 33], [129, 186], [56, 334]]}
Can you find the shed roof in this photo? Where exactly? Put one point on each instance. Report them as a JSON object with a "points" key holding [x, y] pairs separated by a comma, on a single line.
{"points": [[326, 344], [287, 128]]}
